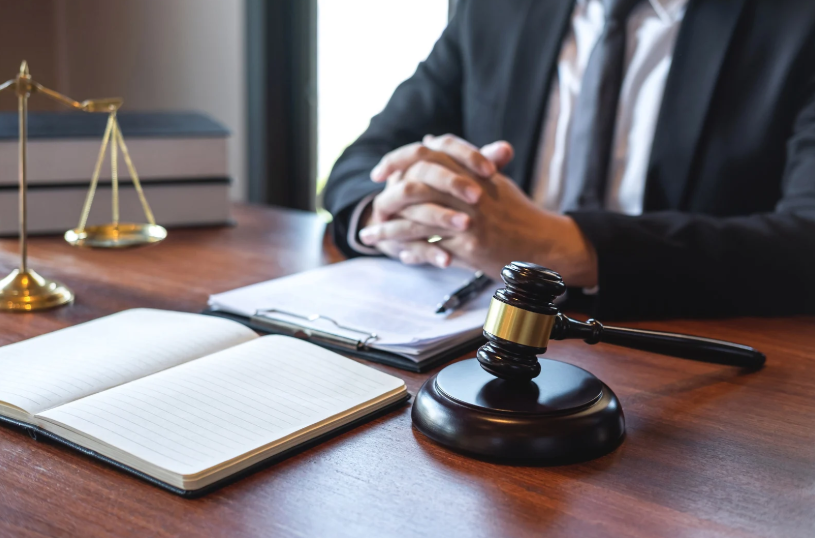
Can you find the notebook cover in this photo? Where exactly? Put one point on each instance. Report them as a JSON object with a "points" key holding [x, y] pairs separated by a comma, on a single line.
{"points": [[38, 433], [375, 355], [70, 124]]}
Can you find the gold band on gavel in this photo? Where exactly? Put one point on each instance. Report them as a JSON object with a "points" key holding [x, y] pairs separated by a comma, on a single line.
{"points": [[517, 325]]}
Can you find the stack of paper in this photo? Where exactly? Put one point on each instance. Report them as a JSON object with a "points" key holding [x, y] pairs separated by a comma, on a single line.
{"points": [[367, 296]]}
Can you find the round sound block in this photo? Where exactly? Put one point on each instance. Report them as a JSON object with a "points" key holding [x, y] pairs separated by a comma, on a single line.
{"points": [[564, 414]]}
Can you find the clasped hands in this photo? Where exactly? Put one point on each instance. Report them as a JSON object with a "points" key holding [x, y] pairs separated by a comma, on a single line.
{"points": [[446, 187]]}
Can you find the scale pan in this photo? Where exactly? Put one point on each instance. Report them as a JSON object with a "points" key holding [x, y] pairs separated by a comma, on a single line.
{"points": [[122, 235]]}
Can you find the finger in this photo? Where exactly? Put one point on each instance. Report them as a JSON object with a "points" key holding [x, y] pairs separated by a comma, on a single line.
{"points": [[463, 152], [419, 252], [437, 216], [398, 230], [499, 153], [395, 177], [406, 193], [464, 187], [404, 157], [390, 249]]}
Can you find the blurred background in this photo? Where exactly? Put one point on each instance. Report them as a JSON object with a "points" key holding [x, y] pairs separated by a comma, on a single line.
{"points": [[295, 81]]}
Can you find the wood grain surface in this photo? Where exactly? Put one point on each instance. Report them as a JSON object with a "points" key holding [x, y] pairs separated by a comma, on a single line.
{"points": [[711, 451]]}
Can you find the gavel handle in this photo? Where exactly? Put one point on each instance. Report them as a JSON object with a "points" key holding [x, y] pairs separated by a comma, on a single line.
{"points": [[677, 345], [685, 346]]}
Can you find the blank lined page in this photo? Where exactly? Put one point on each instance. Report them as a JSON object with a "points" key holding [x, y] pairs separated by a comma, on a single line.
{"points": [[192, 417], [71, 363]]}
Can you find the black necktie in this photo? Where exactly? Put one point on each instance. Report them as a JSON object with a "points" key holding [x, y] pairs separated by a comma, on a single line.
{"points": [[592, 129]]}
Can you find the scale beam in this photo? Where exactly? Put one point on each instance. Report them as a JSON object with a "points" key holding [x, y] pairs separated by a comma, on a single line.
{"points": [[24, 290]]}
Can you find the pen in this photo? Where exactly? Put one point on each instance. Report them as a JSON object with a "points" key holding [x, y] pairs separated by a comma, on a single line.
{"points": [[466, 292]]}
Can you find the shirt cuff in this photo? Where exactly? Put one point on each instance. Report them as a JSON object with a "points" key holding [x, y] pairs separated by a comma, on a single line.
{"points": [[353, 227], [594, 290]]}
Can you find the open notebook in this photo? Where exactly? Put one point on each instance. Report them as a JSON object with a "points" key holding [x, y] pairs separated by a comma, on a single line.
{"points": [[184, 400], [372, 304]]}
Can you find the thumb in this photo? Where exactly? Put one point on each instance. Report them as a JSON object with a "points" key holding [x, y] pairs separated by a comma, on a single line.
{"points": [[500, 153]]}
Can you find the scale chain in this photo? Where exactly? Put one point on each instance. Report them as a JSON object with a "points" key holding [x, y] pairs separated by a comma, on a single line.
{"points": [[133, 175], [114, 171], [97, 169]]}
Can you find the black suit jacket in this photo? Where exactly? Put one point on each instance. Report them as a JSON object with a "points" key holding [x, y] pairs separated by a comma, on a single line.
{"points": [[729, 221]]}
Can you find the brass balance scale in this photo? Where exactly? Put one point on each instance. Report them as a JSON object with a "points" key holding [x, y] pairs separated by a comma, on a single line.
{"points": [[24, 290]]}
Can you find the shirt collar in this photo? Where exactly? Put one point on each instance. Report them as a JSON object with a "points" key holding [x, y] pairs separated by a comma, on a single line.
{"points": [[667, 10]]}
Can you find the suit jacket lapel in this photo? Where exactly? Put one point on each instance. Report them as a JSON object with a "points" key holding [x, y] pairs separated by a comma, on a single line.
{"points": [[535, 56], [701, 47]]}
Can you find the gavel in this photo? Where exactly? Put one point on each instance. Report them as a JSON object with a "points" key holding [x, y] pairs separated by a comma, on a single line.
{"points": [[510, 404], [522, 318]]}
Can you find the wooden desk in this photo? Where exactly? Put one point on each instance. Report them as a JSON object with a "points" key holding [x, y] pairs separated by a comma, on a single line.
{"points": [[710, 451]]}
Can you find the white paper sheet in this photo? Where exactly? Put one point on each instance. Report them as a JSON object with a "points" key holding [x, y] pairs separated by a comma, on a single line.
{"points": [[372, 295]]}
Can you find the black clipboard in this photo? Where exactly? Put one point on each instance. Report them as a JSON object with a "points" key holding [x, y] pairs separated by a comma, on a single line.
{"points": [[354, 347]]}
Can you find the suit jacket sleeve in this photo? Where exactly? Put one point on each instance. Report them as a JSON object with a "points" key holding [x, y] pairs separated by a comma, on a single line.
{"points": [[429, 102], [667, 264]]}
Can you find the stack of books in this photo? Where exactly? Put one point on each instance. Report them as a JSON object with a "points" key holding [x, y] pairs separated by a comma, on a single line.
{"points": [[181, 159]]}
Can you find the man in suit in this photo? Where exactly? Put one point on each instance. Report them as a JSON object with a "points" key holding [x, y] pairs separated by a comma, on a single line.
{"points": [[659, 154]]}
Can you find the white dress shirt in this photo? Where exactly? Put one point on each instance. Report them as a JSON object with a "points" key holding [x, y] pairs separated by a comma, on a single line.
{"points": [[651, 35]]}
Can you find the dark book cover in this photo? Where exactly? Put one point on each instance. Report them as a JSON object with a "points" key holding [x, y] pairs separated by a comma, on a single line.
{"points": [[72, 125]]}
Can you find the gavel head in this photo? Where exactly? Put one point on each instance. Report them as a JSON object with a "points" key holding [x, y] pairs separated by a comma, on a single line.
{"points": [[520, 320]]}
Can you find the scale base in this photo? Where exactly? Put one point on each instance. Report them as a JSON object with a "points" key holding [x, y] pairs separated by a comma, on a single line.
{"points": [[122, 235], [28, 292], [563, 415]]}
